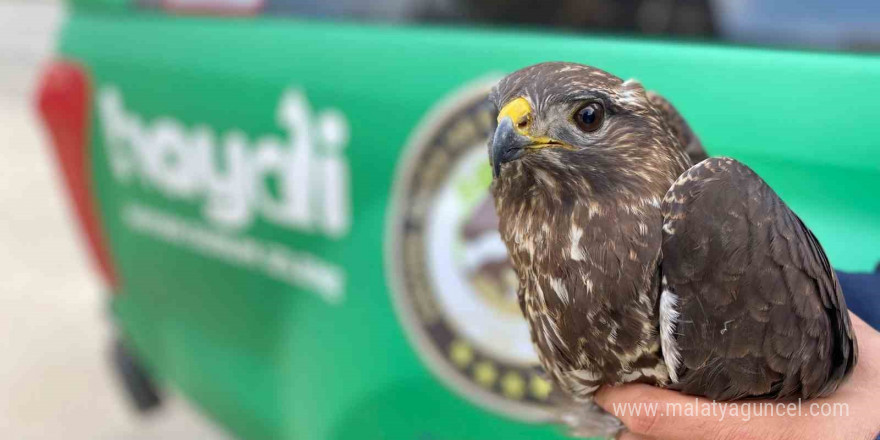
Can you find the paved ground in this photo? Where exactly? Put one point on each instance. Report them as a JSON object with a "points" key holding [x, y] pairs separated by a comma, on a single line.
{"points": [[55, 380]]}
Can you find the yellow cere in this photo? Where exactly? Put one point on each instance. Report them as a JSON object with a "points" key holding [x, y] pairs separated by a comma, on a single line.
{"points": [[520, 112]]}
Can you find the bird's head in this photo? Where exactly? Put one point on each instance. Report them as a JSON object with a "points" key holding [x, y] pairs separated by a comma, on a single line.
{"points": [[571, 126]]}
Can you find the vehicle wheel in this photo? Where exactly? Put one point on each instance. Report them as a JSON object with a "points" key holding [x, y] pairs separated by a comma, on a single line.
{"points": [[140, 387]]}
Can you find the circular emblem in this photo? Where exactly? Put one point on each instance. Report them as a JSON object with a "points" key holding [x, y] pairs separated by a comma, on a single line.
{"points": [[454, 289]]}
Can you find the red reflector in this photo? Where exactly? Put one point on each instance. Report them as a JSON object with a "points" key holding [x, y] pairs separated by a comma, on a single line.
{"points": [[64, 102]]}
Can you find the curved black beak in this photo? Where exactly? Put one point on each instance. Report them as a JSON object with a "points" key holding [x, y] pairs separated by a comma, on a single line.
{"points": [[507, 145]]}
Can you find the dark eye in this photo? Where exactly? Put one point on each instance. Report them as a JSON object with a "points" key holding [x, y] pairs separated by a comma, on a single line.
{"points": [[589, 117]]}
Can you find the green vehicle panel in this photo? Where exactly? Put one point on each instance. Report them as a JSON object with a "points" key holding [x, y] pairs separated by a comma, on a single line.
{"points": [[248, 178]]}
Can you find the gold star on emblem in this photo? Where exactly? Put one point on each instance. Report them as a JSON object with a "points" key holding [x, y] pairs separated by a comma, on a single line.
{"points": [[485, 373], [461, 353], [540, 388], [513, 385]]}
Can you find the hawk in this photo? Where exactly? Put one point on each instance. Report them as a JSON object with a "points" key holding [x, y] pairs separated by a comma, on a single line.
{"points": [[634, 265]]}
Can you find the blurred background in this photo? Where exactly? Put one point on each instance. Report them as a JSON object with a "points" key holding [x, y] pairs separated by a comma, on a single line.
{"points": [[55, 367], [55, 375], [846, 25]]}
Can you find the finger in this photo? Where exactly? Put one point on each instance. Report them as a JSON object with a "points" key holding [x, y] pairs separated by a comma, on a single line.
{"points": [[868, 368], [862, 329], [857, 323], [655, 412], [639, 408]]}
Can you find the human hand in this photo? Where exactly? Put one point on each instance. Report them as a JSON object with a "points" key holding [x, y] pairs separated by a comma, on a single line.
{"points": [[851, 413]]}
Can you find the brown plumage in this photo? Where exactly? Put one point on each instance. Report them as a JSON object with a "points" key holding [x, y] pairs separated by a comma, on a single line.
{"points": [[770, 318], [634, 266]]}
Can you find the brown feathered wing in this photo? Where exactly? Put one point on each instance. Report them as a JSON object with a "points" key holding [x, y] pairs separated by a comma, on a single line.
{"points": [[682, 130], [760, 311]]}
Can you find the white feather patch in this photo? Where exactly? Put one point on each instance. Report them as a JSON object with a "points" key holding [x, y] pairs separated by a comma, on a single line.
{"points": [[586, 375], [575, 235], [559, 287], [581, 382], [668, 322], [632, 92]]}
